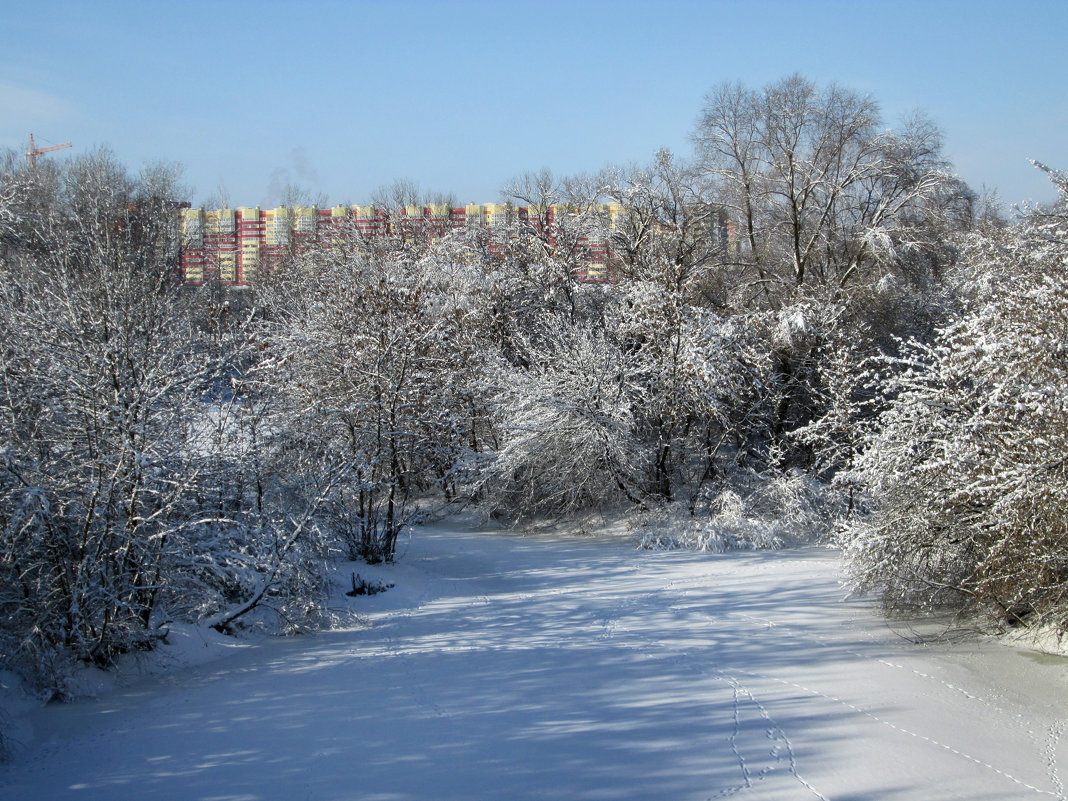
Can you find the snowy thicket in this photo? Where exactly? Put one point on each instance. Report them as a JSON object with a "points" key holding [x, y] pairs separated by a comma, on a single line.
{"points": [[135, 481], [566, 421], [750, 287], [967, 463]]}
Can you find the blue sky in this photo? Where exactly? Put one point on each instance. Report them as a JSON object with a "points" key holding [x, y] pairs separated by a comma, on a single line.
{"points": [[344, 97]]}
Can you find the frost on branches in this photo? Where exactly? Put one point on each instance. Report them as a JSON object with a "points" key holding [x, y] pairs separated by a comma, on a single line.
{"points": [[969, 464], [364, 363]]}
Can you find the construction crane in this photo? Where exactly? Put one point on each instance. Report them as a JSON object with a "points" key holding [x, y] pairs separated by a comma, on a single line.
{"points": [[35, 151]]}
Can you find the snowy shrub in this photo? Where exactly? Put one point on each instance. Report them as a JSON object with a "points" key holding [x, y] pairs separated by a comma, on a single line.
{"points": [[755, 511], [968, 467], [566, 428], [730, 533]]}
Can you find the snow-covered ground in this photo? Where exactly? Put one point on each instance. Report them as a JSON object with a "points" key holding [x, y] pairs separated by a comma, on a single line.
{"points": [[509, 667]]}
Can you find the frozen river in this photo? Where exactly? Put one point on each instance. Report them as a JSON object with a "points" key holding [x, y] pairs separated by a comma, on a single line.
{"points": [[508, 667]]}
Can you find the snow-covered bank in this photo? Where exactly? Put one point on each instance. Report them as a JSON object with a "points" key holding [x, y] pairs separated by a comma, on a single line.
{"points": [[527, 667]]}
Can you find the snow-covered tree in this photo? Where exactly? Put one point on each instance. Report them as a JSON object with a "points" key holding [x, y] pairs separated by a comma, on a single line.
{"points": [[842, 229], [705, 384], [819, 194], [671, 229], [361, 356], [97, 376]]}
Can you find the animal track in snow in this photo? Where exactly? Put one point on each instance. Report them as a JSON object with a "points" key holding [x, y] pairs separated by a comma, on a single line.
{"points": [[908, 732]]}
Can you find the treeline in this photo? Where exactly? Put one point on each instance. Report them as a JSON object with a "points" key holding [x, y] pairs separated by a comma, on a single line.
{"points": [[870, 345]]}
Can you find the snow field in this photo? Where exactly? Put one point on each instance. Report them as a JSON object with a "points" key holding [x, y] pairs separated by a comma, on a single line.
{"points": [[509, 667]]}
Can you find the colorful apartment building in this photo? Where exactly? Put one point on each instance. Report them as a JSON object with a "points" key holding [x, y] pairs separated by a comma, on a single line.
{"points": [[236, 245]]}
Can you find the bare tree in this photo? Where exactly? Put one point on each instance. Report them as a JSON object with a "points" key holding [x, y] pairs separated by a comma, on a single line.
{"points": [[820, 193], [397, 195]]}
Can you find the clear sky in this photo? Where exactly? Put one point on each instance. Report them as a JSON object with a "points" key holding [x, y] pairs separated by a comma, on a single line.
{"points": [[344, 97]]}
